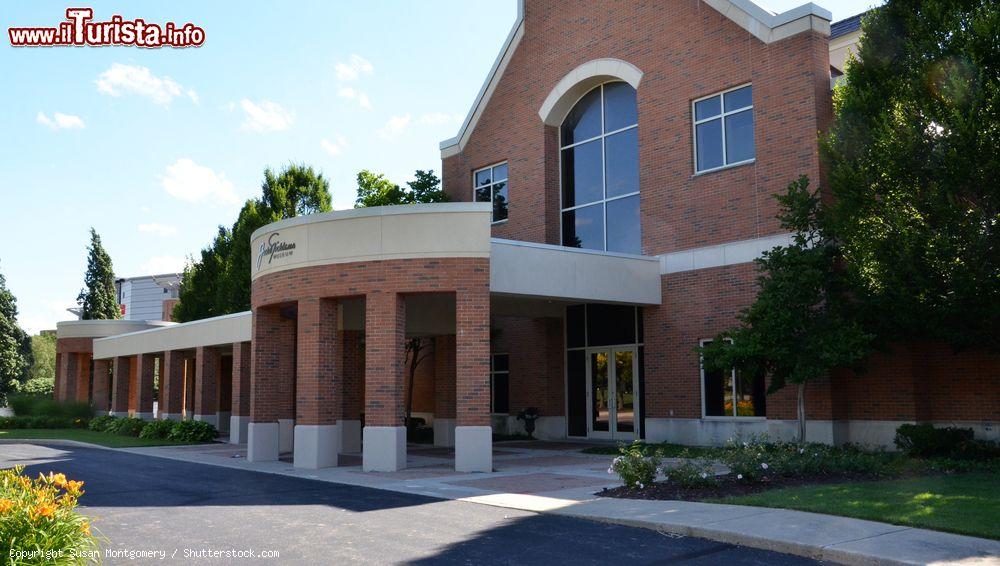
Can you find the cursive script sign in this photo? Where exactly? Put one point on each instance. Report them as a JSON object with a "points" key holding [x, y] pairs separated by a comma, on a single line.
{"points": [[274, 249]]}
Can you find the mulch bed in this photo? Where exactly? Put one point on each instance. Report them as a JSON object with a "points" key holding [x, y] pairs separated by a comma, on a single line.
{"points": [[727, 487]]}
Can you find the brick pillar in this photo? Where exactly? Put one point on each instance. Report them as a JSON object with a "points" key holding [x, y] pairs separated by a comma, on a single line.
{"points": [[384, 434], [473, 433], [444, 390], [144, 386], [83, 377], [71, 375], [318, 384], [353, 392], [59, 389], [271, 381], [240, 417], [102, 379], [172, 385], [120, 386], [206, 402]]}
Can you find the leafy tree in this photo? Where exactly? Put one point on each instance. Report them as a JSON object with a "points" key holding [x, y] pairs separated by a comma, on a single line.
{"points": [[914, 166], [802, 323], [98, 298], [15, 345], [42, 373], [376, 190], [219, 282]]}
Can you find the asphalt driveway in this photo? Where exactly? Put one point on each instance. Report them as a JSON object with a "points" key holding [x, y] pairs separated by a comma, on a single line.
{"points": [[148, 507]]}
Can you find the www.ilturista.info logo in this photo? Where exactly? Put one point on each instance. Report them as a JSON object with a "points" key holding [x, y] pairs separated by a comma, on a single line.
{"points": [[273, 249], [79, 30]]}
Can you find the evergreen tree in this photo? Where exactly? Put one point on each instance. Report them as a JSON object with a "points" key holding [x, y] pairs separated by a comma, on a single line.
{"points": [[98, 298], [15, 345]]}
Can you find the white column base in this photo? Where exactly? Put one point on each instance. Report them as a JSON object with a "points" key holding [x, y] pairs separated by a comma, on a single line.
{"points": [[350, 437], [262, 442], [384, 449], [212, 419], [144, 416], [238, 429], [316, 446], [286, 435], [474, 449], [444, 432], [223, 419], [119, 414], [170, 416]]}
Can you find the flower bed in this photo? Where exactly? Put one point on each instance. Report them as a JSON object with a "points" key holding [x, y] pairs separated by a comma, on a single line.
{"points": [[38, 520]]}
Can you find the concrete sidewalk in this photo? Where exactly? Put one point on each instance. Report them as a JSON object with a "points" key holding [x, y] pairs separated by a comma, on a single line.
{"points": [[556, 478]]}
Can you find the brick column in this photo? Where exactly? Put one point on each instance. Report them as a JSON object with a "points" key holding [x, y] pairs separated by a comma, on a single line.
{"points": [[144, 386], [384, 447], [240, 417], [271, 379], [120, 386], [318, 384], [353, 392], [444, 390], [83, 377], [102, 378], [206, 402], [59, 388], [473, 433], [71, 375], [172, 385]]}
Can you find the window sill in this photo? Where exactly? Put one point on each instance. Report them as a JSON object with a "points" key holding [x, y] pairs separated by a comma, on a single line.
{"points": [[749, 419], [499, 222], [725, 167]]}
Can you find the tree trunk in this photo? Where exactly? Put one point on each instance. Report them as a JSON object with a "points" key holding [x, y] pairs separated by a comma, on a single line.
{"points": [[801, 406]]}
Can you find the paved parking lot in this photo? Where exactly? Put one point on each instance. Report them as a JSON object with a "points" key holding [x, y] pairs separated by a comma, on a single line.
{"points": [[186, 510]]}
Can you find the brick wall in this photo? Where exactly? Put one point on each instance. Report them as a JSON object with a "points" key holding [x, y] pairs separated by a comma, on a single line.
{"points": [[686, 50], [536, 350], [384, 285]]}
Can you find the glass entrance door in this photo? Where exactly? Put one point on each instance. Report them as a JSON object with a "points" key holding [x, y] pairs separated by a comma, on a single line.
{"points": [[612, 392]]}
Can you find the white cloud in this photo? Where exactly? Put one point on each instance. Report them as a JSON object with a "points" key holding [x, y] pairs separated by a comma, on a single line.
{"points": [[266, 116], [145, 209], [35, 318], [436, 118], [353, 68], [158, 229], [60, 121], [394, 127], [132, 79], [190, 182], [157, 265], [334, 147], [351, 93]]}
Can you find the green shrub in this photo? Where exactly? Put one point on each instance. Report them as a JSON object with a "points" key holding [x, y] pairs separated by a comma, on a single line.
{"points": [[35, 422], [101, 423], [129, 426], [157, 429], [751, 460], [635, 469], [693, 474], [192, 431], [926, 441], [41, 406]]}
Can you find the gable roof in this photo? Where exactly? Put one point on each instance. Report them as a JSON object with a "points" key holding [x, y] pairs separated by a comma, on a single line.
{"points": [[765, 25]]}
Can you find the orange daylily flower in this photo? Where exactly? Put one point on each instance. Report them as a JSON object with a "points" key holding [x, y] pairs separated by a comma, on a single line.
{"points": [[6, 505]]}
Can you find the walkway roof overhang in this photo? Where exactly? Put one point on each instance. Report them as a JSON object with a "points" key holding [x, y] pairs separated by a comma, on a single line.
{"points": [[217, 331], [103, 328]]}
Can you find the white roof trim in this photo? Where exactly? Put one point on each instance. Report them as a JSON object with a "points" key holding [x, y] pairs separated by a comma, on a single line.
{"points": [[580, 81], [764, 25]]}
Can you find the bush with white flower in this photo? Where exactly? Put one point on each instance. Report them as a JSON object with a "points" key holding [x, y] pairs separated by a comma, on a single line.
{"points": [[698, 473], [634, 467]]}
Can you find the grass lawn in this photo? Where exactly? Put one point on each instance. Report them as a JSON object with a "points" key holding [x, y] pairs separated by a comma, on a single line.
{"points": [[83, 435], [962, 503]]}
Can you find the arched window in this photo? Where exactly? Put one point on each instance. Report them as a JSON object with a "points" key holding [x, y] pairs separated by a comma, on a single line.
{"points": [[600, 171]]}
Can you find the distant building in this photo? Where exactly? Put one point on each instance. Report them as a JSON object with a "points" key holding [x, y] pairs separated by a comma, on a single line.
{"points": [[143, 298]]}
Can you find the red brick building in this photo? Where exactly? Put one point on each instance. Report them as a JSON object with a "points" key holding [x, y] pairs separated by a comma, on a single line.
{"points": [[613, 185]]}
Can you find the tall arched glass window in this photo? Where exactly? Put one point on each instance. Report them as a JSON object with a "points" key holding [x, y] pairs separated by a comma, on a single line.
{"points": [[600, 171]]}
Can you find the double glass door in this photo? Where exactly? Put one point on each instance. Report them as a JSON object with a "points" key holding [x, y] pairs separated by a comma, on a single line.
{"points": [[612, 392]]}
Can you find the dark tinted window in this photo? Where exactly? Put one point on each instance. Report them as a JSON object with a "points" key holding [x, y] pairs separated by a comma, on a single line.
{"points": [[623, 218], [621, 162], [584, 120], [619, 106], [575, 331], [576, 392], [581, 174], [610, 324], [584, 227]]}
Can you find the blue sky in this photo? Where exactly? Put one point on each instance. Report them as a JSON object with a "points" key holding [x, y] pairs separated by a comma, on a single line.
{"points": [[156, 148]]}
